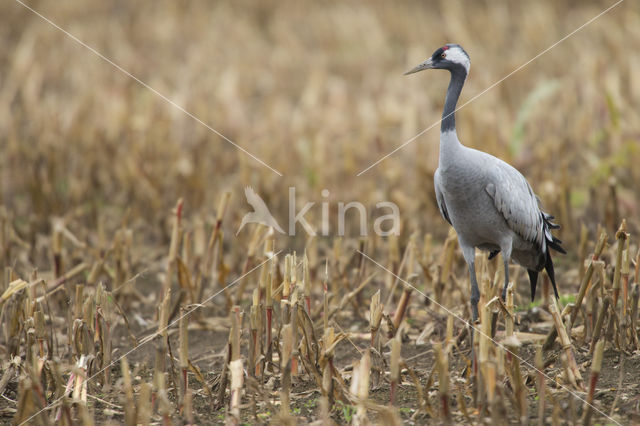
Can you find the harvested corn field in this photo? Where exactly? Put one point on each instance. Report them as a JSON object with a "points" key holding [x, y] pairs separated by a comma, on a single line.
{"points": [[225, 213]]}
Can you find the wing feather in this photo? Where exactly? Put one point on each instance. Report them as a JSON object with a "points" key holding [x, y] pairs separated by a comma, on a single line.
{"points": [[515, 200], [440, 197]]}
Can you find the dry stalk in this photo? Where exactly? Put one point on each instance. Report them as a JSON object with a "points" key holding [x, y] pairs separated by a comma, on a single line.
{"points": [[621, 237], [15, 286], [174, 245], [237, 382], [183, 353], [286, 291], [490, 382], [394, 368], [595, 372], [449, 334], [509, 318], [285, 367], [184, 280], [614, 325], [330, 341], [56, 247], [587, 278], [164, 404], [233, 354], [306, 283], [540, 385], [144, 405], [624, 308], [448, 253], [103, 314], [86, 416], [270, 283], [637, 266], [635, 297], [236, 324], [40, 330], [130, 414], [77, 309], [574, 373], [294, 331], [360, 388], [310, 350], [393, 248], [513, 344], [31, 400], [256, 239], [427, 249], [442, 362], [484, 346], [325, 297], [159, 367], [264, 271], [254, 344], [584, 283], [582, 250], [201, 379], [404, 301], [222, 207], [375, 317], [485, 339], [445, 265], [326, 399], [9, 372], [187, 408], [597, 331], [621, 374], [407, 258]]}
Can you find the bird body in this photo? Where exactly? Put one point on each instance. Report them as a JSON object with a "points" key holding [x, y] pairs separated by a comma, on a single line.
{"points": [[472, 188], [489, 203]]}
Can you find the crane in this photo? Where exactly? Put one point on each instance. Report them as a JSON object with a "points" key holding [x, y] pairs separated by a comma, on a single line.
{"points": [[488, 202]]}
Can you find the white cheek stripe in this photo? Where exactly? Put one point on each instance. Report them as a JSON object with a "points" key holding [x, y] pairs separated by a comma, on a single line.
{"points": [[456, 55]]}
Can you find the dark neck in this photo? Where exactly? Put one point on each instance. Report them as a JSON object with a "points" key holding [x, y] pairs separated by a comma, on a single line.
{"points": [[458, 75]]}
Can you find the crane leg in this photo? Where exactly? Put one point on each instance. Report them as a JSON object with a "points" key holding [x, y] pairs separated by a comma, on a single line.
{"points": [[469, 253], [506, 280], [506, 248], [475, 292]]}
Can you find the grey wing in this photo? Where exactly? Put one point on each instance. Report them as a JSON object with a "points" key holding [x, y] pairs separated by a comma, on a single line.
{"points": [[515, 200], [440, 196]]}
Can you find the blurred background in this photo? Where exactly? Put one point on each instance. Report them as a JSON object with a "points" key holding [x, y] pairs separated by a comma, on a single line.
{"points": [[316, 91]]}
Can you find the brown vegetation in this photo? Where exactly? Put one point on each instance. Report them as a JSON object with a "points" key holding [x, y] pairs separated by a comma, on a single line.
{"points": [[127, 297]]}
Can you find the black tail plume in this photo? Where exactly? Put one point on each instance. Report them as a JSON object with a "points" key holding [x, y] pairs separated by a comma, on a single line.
{"points": [[552, 243], [548, 266], [533, 277]]}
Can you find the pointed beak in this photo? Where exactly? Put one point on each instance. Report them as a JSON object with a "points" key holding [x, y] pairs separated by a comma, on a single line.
{"points": [[428, 64]]}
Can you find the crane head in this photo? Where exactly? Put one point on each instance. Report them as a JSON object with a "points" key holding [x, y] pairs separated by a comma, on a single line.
{"points": [[449, 57]]}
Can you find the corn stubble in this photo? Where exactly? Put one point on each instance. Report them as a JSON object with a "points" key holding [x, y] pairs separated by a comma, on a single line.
{"points": [[118, 221], [289, 340]]}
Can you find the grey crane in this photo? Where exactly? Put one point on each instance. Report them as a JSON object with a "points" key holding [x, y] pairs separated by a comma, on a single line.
{"points": [[489, 203]]}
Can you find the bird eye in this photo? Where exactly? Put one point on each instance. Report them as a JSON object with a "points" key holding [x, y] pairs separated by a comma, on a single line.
{"points": [[443, 55]]}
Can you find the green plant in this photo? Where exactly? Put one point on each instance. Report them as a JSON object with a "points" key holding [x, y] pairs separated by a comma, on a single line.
{"points": [[347, 411]]}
